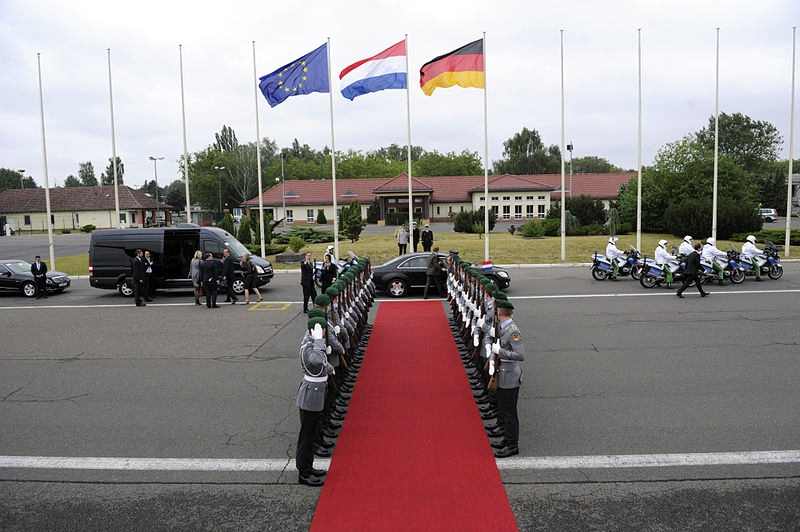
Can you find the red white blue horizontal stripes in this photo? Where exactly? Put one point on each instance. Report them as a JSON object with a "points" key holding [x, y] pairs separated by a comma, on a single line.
{"points": [[385, 70]]}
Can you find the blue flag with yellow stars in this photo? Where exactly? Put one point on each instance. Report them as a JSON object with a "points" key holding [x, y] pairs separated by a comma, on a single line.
{"points": [[304, 75]]}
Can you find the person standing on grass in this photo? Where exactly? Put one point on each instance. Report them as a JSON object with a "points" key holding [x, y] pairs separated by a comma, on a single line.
{"points": [[138, 275], [510, 352], [194, 273], [415, 236], [307, 281], [229, 272], [434, 274], [249, 272], [693, 269], [427, 238], [402, 240], [39, 271]]}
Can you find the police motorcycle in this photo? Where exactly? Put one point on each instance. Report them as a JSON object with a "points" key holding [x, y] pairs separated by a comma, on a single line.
{"points": [[653, 274], [602, 267], [731, 268], [772, 265]]}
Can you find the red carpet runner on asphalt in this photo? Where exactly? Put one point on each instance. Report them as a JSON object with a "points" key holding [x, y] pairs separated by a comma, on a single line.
{"points": [[412, 454]]}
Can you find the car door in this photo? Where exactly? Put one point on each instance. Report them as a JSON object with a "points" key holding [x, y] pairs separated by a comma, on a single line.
{"points": [[415, 269], [6, 279]]}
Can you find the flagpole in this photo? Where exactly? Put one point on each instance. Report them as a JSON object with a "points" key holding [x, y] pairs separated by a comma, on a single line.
{"points": [[185, 149], [639, 151], [333, 159], [44, 163], [408, 147], [113, 141], [716, 146], [485, 155], [258, 160], [787, 242], [563, 148]]}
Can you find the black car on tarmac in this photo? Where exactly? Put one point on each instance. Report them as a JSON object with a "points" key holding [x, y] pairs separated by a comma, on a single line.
{"points": [[16, 276], [397, 277], [111, 252]]}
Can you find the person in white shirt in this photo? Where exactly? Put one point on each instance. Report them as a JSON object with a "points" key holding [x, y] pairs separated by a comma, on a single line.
{"points": [[663, 258], [686, 247], [753, 255], [615, 255], [711, 253]]}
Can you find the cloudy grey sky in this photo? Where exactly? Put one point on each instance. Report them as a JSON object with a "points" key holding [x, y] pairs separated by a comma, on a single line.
{"points": [[523, 73]]}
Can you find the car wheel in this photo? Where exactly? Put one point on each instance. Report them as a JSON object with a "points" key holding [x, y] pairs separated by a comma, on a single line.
{"points": [[125, 288], [397, 288], [29, 289], [238, 287]]}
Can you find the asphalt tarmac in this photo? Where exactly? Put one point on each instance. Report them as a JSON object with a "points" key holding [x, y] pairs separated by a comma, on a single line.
{"points": [[89, 375]]}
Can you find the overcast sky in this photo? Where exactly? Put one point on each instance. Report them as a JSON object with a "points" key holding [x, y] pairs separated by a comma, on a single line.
{"points": [[523, 74]]}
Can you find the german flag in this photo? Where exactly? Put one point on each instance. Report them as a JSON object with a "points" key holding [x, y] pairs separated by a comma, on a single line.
{"points": [[462, 67]]}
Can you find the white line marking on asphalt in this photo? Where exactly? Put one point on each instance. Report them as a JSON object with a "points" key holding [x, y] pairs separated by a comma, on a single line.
{"points": [[619, 461], [414, 300]]}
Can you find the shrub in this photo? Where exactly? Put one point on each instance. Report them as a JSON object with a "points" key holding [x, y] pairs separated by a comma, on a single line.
{"points": [[395, 218], [296, 244], [596, 229], [269, 250], [307, 234], [244, 235], [227, 223], [587, 210], [466, 222], [693, 217], [88, 228], [532, 229], [776, 236], [351, 224], [552, 226], [321, 217], [373, 212]]}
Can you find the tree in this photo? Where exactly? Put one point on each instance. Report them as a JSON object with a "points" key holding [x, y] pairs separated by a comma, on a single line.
{"points": [[587, 210], [86, 174], [11, 179], [321, 217], [244, 235], [350, 222], [472, 221], [72, 181], [592, 164], [227, 223], [108, 175], [751, 144], [175, 195], [525, 153]]}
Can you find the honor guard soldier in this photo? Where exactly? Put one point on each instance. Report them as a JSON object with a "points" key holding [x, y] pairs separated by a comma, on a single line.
{"points": [[311, 399], [509, 352]]}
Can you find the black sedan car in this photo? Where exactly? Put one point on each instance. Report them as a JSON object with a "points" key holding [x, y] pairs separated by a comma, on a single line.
{"points": [[16, 276], [402, 274]]}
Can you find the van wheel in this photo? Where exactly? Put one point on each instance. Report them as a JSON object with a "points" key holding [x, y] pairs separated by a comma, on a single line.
{"points": [[125, 288], [238, 287], [29, 289]]}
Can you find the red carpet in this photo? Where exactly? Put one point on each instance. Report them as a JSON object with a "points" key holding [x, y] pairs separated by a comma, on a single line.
{"points": [[412, 454]]}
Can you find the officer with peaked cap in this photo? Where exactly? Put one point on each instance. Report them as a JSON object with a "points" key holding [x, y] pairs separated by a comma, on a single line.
{"points": [[510, 352]]}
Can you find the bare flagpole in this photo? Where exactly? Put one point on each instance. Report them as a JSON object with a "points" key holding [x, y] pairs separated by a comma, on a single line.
{"points": [[563, 148], [408, 148], [113, 141], [716, 146], [333, 159], [258, 161], [639, 151], [787, 242], [485, 155], [185, 149], [44, 164]]}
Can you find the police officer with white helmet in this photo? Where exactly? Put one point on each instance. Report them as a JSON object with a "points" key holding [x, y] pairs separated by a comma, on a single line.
{"points": [[753, 255]]}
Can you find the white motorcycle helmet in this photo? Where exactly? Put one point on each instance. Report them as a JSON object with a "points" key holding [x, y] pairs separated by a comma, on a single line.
{"points": [[612, 240], [663, 243], [687, 239], [711, 241], [751, 239]]}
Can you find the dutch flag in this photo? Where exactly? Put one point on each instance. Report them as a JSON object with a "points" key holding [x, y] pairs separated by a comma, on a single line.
{"points": [[385, 70]]}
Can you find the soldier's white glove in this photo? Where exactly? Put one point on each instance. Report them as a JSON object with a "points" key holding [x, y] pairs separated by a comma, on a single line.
{"points": [[491, 332], [346, 315], [328, 350], [481, 322], [488, 351], [496, 347], [337, 329], [316, 332], [491, 367], [475, 340]]}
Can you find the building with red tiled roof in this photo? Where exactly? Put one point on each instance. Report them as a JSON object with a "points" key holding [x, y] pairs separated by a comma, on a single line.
{"points": [[74, 207], [513, 197]]}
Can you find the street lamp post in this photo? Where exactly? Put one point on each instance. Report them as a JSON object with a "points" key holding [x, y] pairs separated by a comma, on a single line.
{"points": [[219, 186], [155, 178], [569, 149]]}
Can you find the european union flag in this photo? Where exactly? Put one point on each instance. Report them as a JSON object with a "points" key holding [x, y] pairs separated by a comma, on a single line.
{"points": [[304, 75]]}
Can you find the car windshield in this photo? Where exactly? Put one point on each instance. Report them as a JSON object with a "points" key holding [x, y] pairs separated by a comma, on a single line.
{"points": [[19, 267]]}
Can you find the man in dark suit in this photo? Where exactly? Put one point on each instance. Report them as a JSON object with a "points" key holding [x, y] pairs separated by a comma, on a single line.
{"points": [[415, 237], [210, 271], [434, 274], [693, 269], [229, 271], [307, 281], [39, 271], [149, 285], [138, 274], [427, 238]]}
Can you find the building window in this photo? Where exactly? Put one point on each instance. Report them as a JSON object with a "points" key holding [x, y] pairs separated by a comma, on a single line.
{"points": [[528, 211], [27, 219], [494, 209], [529, 197], [518, 212], [289, 216], [494, 198], [483, 198], [123, 217], [541, 197], [541, 211], [437, 210], [310, 216], [77, 220], [518, 198], [52, 219], [506, 212], [392, 210], [506, 198], [461, 209], [449, 209]]}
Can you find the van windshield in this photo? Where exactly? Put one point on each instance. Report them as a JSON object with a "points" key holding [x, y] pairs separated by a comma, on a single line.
{"points": [[237, 248]]}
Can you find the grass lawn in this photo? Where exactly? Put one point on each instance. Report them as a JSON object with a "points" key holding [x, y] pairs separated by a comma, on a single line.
{"points": [[504, 249]]}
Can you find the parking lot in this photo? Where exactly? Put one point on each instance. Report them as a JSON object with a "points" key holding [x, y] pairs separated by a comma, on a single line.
{"points": [[612, 369]]}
